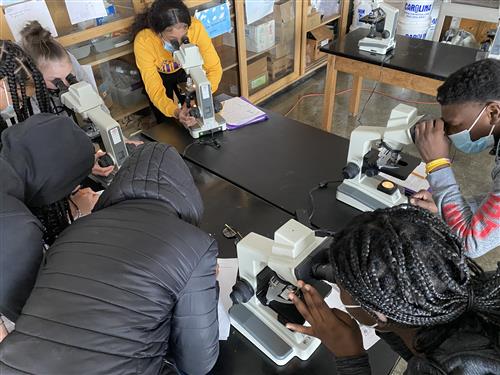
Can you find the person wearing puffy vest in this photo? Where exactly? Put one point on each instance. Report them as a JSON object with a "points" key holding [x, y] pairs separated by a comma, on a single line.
{"points": [[129, 288]]}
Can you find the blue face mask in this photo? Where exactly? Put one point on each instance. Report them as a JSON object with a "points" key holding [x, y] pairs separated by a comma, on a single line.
{"points": [[464, 143], [9, 111], [168, 46]]}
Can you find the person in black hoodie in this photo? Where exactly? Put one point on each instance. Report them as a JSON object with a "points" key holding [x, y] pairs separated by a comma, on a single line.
{"points": [[127, 287], [38, 175], [403, 272]]}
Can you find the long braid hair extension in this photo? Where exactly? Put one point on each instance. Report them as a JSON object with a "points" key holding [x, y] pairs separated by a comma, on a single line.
{"points": [[54, 217], [406, 264], [20, 70]]}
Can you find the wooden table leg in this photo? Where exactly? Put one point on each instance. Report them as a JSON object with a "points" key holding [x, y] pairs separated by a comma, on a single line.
{"points": [[357, 85], [329, 97]]}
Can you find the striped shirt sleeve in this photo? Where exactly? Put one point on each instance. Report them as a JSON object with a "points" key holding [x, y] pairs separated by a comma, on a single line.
{"points": [[479, 228]]}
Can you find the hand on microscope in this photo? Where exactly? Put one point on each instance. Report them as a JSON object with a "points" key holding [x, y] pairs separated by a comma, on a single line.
{"points": [[336, 329], [182, 114], [97, 169], [431, 140]]}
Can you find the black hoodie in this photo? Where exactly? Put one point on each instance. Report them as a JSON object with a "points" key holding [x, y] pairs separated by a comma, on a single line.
{"points": [[41, 161], [127, 285]]}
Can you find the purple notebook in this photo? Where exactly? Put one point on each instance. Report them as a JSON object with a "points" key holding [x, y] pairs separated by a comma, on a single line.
{"points": [[239, 112]]}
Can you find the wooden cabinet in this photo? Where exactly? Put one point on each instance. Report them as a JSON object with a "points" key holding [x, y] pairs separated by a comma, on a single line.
{"points": [[287, 56], [312, 24], [258, 59]]}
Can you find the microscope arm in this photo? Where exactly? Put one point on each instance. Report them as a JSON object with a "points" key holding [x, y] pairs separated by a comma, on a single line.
{"points": [[362, 139], [82, 99]]}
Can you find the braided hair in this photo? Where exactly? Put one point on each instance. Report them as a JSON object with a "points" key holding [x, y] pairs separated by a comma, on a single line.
{"points": [[55, 217], [406, 264], [478, 82], [19, 69]]}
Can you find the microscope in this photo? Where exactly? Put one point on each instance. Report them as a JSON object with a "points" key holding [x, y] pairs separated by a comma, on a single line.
{"points": [[198, 89], [268, 273], [383, 20], [362, 188], [81, 98]]}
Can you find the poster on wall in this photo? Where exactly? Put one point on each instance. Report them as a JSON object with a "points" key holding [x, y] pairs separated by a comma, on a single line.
{"points": [[217, 20], [18, 15], [80, 11]]}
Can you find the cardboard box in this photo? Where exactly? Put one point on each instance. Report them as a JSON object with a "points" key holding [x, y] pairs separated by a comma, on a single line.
{"points": [[260, 36], [285, 40], [316, 39], [284, 16], [285, 31], [282, 50], [257, 74], [313, 20], [284, 11], [230, 83], [279, 67]]}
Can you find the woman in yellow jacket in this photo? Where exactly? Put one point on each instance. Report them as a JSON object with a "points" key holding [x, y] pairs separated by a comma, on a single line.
{"points": [[164, 23]]}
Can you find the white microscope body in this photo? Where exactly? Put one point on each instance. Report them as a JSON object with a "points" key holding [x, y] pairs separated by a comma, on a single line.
{"points": [[258, 257], [361, 186], [208, 121], [82, 99], [384, 21]]}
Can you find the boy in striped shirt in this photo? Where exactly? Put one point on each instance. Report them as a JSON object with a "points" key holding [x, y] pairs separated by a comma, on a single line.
{"points": [[470, 109]]}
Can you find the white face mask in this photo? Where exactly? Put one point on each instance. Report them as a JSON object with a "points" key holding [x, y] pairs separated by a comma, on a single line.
{"points": [[8, 112], [358, 307]]}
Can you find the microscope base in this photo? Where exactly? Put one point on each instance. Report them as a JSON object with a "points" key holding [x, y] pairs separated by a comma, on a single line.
{"points": [[218, 124], [376, 45], [367, 198], [279, 350]]}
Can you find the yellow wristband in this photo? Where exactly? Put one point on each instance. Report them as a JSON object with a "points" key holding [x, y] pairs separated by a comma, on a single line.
{"points": [[432, 165]]}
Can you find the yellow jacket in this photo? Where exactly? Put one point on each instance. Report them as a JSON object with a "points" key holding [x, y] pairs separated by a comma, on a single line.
{"points": [[151, 58]]}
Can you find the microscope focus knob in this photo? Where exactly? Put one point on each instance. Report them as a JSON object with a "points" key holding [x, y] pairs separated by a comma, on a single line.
{"points": [[105, 161], [194, 112], [350, 171], [242, 292], [217, 106], [386, 34], [371, 172]]}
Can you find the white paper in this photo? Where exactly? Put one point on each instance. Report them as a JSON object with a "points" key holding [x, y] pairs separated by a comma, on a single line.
{"points": [[237, 111], [224, 322], [333, 301], [6, 3], [228, 270], [19, 14], [80, 11], [258, 9], [416, 181]]}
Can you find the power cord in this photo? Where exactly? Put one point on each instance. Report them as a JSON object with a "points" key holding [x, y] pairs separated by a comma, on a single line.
{"points": [[374, 88], [320, 186], [349, 90], [212, 142]]}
